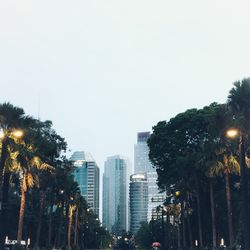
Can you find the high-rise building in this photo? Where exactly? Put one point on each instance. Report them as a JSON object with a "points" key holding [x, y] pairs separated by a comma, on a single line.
{"points": [[115, 194], [141, 151], [155, 198], [142, 164], [86, 174], [138, 200]]}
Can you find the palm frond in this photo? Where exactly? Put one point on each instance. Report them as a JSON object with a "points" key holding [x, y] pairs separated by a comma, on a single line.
{"points": [[216, 169], [32, 180], [248, 162], [233, 165]]}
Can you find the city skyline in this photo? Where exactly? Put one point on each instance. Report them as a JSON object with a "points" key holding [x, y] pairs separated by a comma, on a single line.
{"points": [[122, 67], [125, 124]]}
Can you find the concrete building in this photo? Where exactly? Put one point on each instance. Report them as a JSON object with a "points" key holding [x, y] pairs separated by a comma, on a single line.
{"points": [[87, 175], [115, 198], [138, 200]]}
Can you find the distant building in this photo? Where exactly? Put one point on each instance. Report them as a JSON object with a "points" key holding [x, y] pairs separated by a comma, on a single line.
{"points": [[138, 201], [87, 175], [141, 151], [115, 194], [142, 164], [155, 198]]}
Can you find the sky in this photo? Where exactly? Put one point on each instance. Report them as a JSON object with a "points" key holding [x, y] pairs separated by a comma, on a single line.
{"points": [[103, 70]]}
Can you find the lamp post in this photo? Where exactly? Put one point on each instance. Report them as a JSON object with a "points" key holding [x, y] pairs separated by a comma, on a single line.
{"points": [[243, 187]]}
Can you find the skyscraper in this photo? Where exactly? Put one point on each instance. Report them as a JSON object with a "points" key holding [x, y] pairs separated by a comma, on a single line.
{"points": [[86, 174], [141, 150], [142, 164], [138, 201], [115, 193]]}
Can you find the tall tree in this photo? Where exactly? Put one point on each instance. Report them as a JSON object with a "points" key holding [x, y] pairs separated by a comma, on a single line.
{"points": [[11, 119], [226, 165], [239, 104], [181, 148], [29, 163]]}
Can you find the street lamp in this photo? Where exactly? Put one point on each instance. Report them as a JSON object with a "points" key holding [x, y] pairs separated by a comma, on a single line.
{"points": [[17, 133], [233, 133]]}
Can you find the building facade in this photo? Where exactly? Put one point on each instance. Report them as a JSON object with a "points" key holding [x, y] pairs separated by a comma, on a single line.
{"points": [[87, 175], [115, 194], [141, 151], [142, 164], [138, 201]]}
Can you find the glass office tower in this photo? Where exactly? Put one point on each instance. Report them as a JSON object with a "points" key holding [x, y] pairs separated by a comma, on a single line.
{"points": [[143, 165], [141, 150], [138, 200], [86, 174], [115, 194]]}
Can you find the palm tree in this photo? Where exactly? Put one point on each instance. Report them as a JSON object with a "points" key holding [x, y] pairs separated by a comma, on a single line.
{"points": [[42, 196], [28, 164], [11, 118], [50, 146], [77, 219], [72, 193], [72, 207], [239, 105], [212, 206], [226, 165]]}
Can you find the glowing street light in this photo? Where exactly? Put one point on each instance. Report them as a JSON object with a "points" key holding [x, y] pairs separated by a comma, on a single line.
{"points": [[1, 134], [177, 193], [232, 133], [18, 133]]}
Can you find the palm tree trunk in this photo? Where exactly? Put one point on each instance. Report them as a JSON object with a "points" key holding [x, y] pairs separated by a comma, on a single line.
{"points": [[244, 196], [211, 190], [183, 226], [69, 226], [199, 210], [178, 236], [229, 210], [21, 214], [4, 190], [3, 159], [38, 231], [4, 210], [60, 227], [190, 237], [76, 229], [50, 226]]}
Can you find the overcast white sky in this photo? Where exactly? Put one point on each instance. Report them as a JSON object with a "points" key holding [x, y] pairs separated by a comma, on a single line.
{"points": [[105, 70]]}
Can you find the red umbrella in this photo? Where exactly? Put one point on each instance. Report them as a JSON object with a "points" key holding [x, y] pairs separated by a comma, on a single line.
{"points": [[156, 244]]}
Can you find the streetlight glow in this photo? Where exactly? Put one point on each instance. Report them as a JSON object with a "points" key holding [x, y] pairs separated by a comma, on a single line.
{"points": [[1, 134], [232, 133], [177, 193], [17, 133]]}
